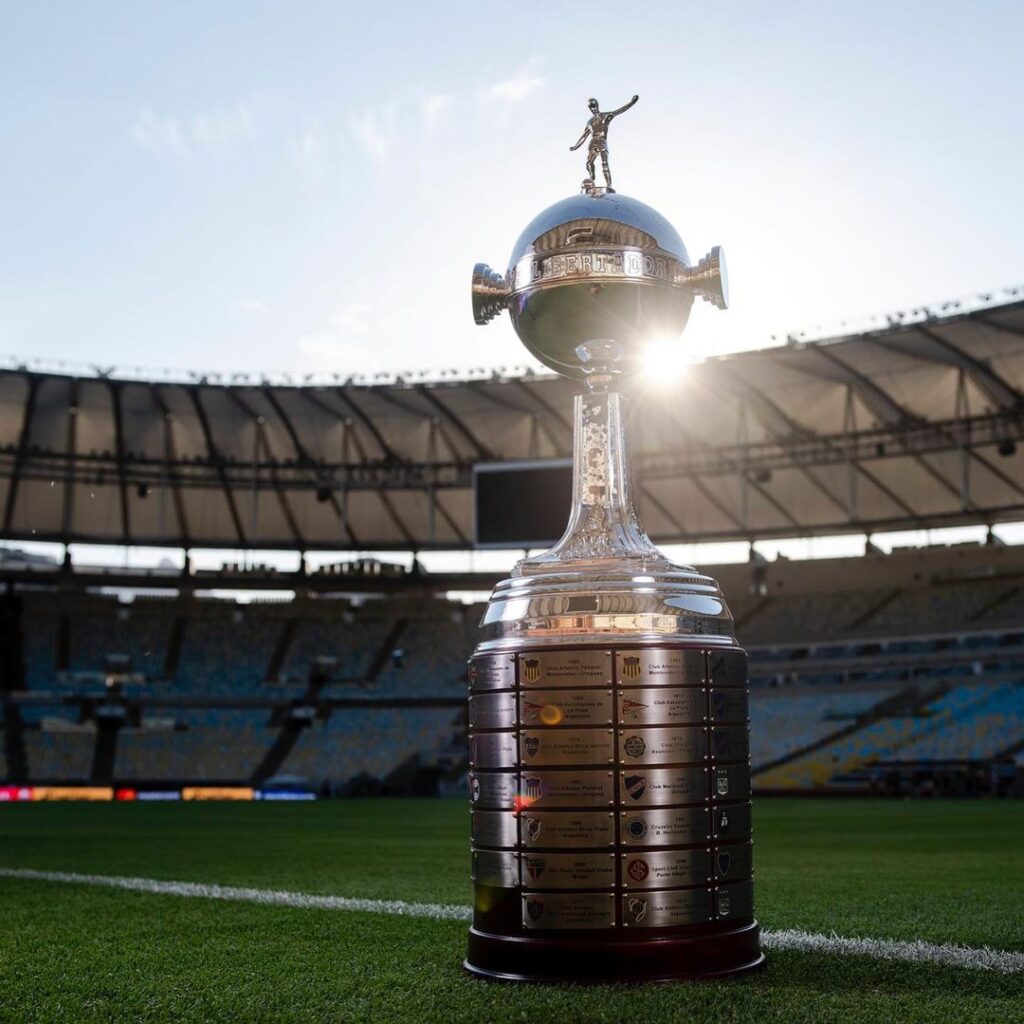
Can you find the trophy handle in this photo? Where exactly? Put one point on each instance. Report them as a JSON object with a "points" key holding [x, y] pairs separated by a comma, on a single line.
{"points": [[710, 279], [490, 293]]}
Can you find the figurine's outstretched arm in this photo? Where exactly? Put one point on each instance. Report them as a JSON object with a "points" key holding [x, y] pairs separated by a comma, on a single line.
{"points": [[582, 139], [624, 107]]}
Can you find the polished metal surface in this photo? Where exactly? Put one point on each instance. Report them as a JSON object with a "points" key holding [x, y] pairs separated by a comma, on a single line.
{"points": [[565, 708], [656, 787], [493, 750], [665, 869], [568, 870], [580, 667], [731, 862], [731, 821], [493, 790], [669, 909], [734, 900], [677, 826], [597, 265], [568, 910], [494, 673], [662, 746], [496, 869], [727, 668], [571, 788], [661, 666], [613, 673], [730, 743], [730, 782], [494, 828], [492, 711], [543, 829], [663, 706], [730, 705], [576, 747], [596, 131]]}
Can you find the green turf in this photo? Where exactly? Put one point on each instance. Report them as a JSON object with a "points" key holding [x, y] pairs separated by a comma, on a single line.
{"points": [[939, 871]]}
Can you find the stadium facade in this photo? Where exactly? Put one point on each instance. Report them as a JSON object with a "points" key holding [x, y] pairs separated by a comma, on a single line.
{"points": [[889, 673]]}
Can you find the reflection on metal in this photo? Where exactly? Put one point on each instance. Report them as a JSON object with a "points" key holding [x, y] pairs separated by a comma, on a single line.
{"points": [[543, 789], [549, 747], [492, 711], [665, 869], [662, 827], [495, 673], [566, 708], [568, 910], [666, 909], [493, 750], [543, 829], [568, 870], [500, 870], [493, 790], [494, 828], [565, 668]]}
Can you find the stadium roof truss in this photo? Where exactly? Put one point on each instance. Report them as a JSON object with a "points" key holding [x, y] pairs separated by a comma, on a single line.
{"points": [[912, 425]]}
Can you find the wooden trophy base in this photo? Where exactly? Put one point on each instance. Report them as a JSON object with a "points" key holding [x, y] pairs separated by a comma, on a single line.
{"points": [[601, 959]]}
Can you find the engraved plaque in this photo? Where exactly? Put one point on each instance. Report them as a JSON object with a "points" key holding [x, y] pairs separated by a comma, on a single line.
{"points": [[566, 789], [568, 910], [566, 707], [494, 828], [735, 900], [496, 790], [568, 870], [731, 821], [653, 787], [665, 869], [492, 711], [569, 747], [565, 668], [661, 827], [663, 705], [567, 828], [499, 870], [730, 743], [727, 668], [494, 673], [734, 861], [660, 667], [666, 909], [493, 750], [661, 746], [729, 705], [730, 782]]}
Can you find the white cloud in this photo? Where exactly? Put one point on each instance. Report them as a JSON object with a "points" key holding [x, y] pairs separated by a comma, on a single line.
{"points": [[203, 134], [433, 107], [524, 82], [374, 129]]}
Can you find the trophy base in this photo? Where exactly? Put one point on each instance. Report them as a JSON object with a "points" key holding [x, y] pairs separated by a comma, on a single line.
{"points": [[678, 958]]}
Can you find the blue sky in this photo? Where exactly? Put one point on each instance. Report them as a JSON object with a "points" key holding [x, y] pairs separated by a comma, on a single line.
{"points": [[305, 187]]}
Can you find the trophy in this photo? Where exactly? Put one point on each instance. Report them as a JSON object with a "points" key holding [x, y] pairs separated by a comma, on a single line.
{"points": [[609, 748]]}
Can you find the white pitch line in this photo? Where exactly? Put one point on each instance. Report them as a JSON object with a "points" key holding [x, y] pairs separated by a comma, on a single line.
{"points": [[272, 897], [946, 954]]}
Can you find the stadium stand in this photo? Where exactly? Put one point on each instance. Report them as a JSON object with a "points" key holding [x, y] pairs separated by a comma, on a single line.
{"points": [[885, 662]]}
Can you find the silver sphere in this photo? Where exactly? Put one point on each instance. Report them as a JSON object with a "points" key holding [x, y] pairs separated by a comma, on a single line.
{"points": [[597, 265]]}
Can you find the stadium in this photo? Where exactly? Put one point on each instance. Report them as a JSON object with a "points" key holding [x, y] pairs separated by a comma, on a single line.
{"points": [[263, 697]]}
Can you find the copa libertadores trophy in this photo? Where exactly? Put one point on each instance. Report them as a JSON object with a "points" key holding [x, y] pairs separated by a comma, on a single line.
{"points": [[609, 752]]}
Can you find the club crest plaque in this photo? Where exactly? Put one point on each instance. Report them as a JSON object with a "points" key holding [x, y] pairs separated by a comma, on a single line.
{"points": [[609, 733]]}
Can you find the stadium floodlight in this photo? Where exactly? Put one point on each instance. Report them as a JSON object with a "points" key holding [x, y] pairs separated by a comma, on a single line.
{"points": [[609, 748]]}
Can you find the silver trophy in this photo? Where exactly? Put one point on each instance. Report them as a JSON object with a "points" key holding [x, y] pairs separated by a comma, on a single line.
{"points": [[609, 749]]}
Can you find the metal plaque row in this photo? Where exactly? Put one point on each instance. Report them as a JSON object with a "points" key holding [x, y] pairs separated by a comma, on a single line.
{"points": [[574, 708], [668, 909], [638, 787], [594, 667]]}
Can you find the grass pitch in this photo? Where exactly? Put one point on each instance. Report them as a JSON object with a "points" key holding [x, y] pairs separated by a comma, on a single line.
{"points": [[943, 872]]}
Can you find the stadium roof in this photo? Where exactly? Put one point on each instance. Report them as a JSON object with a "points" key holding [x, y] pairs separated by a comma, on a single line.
{"points": [[913, 424]]}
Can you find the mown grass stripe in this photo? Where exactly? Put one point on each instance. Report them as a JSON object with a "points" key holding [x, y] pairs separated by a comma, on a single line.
{"points": [[913, 951]]}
